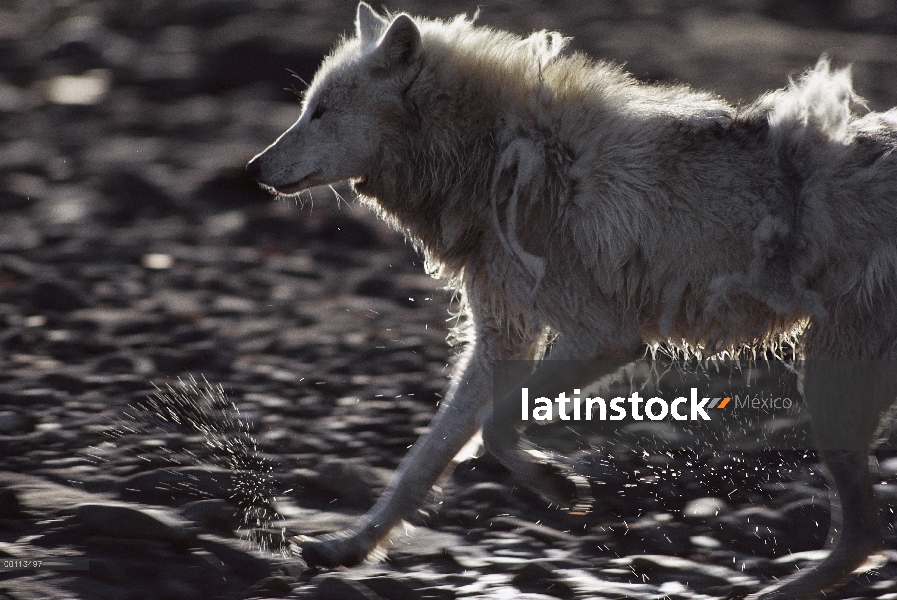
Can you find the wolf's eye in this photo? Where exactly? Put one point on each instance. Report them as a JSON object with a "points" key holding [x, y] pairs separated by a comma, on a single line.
{"points": [[318, 112]]}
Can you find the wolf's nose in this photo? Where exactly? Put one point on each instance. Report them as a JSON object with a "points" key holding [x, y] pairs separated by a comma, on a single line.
{"points": [[254, 167]]}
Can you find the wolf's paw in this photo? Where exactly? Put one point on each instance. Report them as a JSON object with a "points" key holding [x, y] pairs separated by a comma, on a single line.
{"points": [[343, 549], [555, 481], [843, 561], [559, 482]]}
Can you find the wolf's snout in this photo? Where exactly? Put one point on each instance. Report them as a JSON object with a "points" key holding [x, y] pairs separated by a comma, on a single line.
{"points": [[254, 167]]}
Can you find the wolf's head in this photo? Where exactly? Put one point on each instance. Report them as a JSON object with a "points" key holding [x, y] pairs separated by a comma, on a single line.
{"points": [[353, 103]]}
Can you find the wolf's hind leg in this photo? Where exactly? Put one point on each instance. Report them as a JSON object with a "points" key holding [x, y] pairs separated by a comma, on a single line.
{"points": [[551, 475], [859, 535], [846, 400]]}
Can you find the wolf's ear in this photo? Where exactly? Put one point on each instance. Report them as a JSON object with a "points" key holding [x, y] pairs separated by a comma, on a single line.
{"points": [[401, 43], [368, 24]]}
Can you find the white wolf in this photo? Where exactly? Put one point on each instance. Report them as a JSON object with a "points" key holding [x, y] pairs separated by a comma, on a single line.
{"points": [[567, 201]]}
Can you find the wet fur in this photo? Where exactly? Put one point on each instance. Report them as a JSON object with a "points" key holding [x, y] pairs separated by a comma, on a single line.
{"points": [[564, 199]]}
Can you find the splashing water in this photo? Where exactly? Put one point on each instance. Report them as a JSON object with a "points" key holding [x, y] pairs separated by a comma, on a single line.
{"points": [[205, 409]]}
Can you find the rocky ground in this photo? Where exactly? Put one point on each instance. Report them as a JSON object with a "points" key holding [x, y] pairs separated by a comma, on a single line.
{"points": [[134, 252]]}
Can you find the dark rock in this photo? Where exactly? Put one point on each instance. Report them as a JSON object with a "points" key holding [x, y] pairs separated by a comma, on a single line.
{"points": [[12, 201], [270, 587], [12, 423], [806, 523], [231, 188], [245, 61], [391, 588], [271, 226], [125, 521], [679, 569], [69, 380], [31, 398], [129, 195], [122, 363], [351, 481], [236, 556], [57, 295], [23, 190], [487, 492], [209, 13], [331, 587], [540, 578], [378, 286], [216, 514], [173, 484], [649, 536], [10, 507], [205, 357], [756, 530]]}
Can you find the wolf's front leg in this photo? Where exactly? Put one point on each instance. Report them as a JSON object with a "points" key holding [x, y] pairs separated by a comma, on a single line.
{"points": [[459, 417]]}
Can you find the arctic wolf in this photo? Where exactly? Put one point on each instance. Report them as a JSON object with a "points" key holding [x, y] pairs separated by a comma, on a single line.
{"points": [[568, 202]]}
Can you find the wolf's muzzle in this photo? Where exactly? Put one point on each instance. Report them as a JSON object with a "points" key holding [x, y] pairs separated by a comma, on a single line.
{"points": [[254, 167]]}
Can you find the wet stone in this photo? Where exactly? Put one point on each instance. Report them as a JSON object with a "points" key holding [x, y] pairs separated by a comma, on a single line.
{"points": [[678, 569], [806, 523], [391, 588], [351, 481], [119, 520], [10, 507], [178, 483], [541, 578], [649, 536], [57, 295], [216, 514], [12, 423], [756, 530], [335, 588], [130, 195], [703, 509], [237, 555], [122, 363]]}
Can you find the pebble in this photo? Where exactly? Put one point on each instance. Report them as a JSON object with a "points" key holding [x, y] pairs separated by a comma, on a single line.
{"points": [[755, 530], [351, 481], [704, 509], [214, 515], [336, 588], [237, 556], [56, 295], [12, 423], [391, 588], [649, 536], [683, 569], [10, 507], [178, 483], [541, 578], [807, 523], [120, 520]]}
